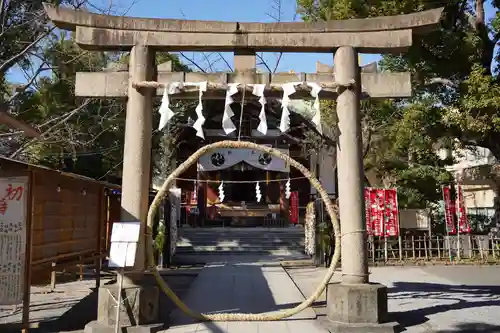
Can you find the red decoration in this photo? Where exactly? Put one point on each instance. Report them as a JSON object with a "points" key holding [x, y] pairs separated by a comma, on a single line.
{"points": [[463, 222], [294, 207], [369, 224], [449, 211], [11, 194], [391, 213], [375, 211], [382, 212]]}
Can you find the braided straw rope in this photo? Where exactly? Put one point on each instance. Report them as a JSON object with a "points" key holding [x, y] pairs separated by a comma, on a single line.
{"points": [[266, 316]]}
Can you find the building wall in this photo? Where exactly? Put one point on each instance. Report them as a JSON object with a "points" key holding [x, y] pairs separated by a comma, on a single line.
{"points": [[471, 170]]}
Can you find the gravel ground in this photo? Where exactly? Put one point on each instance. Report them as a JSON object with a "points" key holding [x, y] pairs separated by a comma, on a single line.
{"points": [[429, 299]]}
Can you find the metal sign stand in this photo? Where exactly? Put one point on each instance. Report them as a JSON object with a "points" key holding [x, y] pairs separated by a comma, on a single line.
{"points": [[124, 239]]}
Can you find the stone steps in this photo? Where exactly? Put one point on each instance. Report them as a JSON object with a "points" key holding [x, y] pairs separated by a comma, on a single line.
{"points": [[275, 241]]}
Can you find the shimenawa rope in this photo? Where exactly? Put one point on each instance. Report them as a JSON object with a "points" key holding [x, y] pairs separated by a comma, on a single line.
{"points": [[266, 316]]}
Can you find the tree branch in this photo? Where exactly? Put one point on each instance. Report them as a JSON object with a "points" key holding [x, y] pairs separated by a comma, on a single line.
{"points": [[9, 62], [51, 129]]}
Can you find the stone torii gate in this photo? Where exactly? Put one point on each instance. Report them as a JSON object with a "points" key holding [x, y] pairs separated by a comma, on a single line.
{"points": [[352, 302]]}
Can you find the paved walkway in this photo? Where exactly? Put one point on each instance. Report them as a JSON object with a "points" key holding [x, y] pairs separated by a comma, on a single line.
{"points": [[432, 299], [245, 288]]}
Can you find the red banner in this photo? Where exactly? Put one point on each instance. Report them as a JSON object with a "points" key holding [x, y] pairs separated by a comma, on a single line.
{"points": [[368, 219], [449, 211], [294, 207], [382, 213], [391, 213], [463, 222], [374, 201]]}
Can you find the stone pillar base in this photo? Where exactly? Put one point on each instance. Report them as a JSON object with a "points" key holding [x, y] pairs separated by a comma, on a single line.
{"points": [[358, 308], [139, 310]]}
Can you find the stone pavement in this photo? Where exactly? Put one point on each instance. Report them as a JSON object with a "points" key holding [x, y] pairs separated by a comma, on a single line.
{"points": [[430, 299], [49, 306], [247, 288]]}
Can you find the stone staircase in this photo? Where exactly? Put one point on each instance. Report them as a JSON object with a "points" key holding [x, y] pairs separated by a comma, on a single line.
{"points": [[241, 241]]}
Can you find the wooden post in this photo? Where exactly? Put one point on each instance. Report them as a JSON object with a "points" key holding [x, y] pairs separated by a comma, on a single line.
{"points": [[413, 246], [425, 247], [438, 247], [400, 245], [430, 245], [493, 249], [385, 249], [469, 238], [53, 277], [481, 250], [449, 247], [373, 248], [27, 252]]}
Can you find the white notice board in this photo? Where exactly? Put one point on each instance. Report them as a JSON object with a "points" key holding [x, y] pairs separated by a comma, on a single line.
{"points": [[124, 239], [13, 206]]}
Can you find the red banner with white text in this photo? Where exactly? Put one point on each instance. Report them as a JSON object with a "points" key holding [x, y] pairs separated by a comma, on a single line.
{"points": [[391, 213], [368, 219], [463, 222], [382, 213], [449, 211]]}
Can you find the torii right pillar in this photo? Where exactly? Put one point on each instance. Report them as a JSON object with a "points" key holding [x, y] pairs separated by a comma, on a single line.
{"points": [[353, 305]]}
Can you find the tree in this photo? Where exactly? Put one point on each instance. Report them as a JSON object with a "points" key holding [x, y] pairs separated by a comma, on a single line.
{"points": [[456, 85]]}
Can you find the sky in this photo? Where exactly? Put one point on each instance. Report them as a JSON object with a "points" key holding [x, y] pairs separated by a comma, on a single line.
{"points": [[224, 10]]}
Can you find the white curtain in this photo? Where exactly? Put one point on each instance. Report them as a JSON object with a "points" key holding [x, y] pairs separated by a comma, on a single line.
{"points": [[224, 158]]}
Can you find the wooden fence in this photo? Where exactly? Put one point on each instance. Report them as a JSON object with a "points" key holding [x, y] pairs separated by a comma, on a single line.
{"points": [[425, 247], [60, 221]]}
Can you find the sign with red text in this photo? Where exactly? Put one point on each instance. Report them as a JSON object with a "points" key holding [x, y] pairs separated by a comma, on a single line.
{"points": [[463, 222], [294, 207], [13, 205], [449, 211]]}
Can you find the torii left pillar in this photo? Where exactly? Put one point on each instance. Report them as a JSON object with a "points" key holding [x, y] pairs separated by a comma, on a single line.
{"points": [[140, 309]]}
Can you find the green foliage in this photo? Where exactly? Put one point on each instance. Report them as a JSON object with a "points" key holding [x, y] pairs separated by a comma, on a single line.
{"points": [[160, 237], [456, 92], [84, 136]]}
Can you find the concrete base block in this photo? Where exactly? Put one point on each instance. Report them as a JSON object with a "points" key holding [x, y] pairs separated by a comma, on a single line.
{"points": [[96, 327], [357, 304], [140, 305]]}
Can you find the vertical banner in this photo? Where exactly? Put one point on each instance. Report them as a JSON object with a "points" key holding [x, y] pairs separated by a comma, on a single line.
{"points": [[391, 212], [376, 216], [13, 201], [463, 222], [294, 207], [368, 219], [448, 211], [380, 214]]}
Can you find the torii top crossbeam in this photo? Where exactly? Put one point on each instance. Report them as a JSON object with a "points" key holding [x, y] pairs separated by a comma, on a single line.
{"points": [[387, 34]]}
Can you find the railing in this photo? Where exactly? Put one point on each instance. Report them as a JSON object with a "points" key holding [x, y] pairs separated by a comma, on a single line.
{"points": [[483, 247]]}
